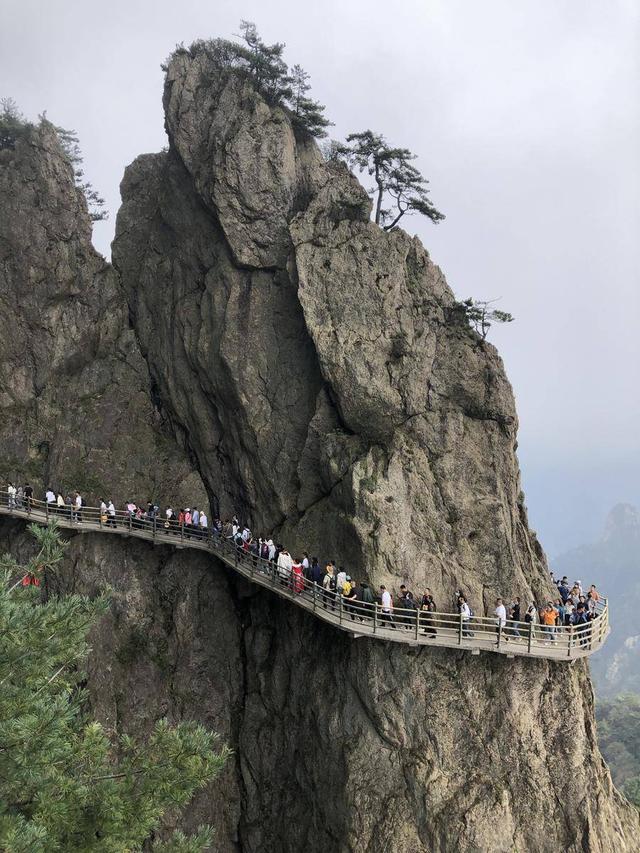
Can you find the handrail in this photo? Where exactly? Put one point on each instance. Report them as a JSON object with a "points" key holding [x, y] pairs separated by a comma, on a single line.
{"points": [[358, 618]]}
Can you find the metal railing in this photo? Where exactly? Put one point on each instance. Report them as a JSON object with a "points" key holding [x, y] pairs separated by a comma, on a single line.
{"points": [[359, 618]]}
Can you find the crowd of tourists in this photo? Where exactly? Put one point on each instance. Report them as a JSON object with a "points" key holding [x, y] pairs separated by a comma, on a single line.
{"points": [[569, 609]]}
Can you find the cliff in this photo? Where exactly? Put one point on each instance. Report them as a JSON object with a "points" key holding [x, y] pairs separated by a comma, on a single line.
{"points": [[319, 378]]}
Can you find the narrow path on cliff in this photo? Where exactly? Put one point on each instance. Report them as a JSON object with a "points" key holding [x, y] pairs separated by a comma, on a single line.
{"points": [[357, 618]]}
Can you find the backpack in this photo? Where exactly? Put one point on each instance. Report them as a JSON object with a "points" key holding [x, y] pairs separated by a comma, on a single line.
{"points": [[333, 583]]}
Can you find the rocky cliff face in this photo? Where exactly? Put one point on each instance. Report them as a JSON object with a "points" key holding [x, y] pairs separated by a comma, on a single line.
{"points": [[75, 408], [319, 376]]}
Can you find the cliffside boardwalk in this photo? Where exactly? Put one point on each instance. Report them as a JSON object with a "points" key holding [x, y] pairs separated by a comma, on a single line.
{"points": [[359, 619]]}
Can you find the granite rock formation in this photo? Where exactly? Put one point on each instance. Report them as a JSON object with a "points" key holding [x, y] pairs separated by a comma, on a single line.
{"points": [[75, 406], [324, 385]]}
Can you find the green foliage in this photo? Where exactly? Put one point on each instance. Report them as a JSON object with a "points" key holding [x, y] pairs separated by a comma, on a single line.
{"points": [[66, 786], [264, 65], [619, 739], [13, 124], [480, 315], [399, 187], [71, 145], [307, 112]]}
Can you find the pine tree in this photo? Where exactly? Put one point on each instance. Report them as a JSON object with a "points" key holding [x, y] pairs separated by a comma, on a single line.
{"points": [[13, 124], [267, 68], [71, 145], [480, 314], [64, 784], [306, 112], [397, 181]]}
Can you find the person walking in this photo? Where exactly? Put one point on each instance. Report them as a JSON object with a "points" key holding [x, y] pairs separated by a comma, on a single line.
{"points": [[428, 608], [77, 503], [111, 512], [465, 612], [285, 564], [329, 587], [297, 578], [386, 602], [515, 617], [501, 620], [11, 496], [28, 496], [366, 596]]}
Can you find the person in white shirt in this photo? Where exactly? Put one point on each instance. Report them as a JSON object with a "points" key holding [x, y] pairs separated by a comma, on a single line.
{"points": [[465, 611], [342, 576], [387, 605], [78, 505], [501, 618], [51, 498], [204, 523], [272, 550], [285, 563], [111, 511], [11, 495]]}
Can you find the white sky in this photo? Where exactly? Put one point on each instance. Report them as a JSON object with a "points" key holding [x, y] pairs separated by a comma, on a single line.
{"points": [[525, 118]]}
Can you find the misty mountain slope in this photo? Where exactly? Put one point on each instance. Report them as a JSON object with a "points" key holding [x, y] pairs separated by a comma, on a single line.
{"points": [[613, 563]]}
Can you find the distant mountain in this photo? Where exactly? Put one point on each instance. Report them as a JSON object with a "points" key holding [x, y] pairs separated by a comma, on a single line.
{"points": [[613, 564]]}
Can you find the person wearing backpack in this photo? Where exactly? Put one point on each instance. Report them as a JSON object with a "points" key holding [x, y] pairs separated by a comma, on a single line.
{"points": [[365, 595], [466, 612], [329, 586]]}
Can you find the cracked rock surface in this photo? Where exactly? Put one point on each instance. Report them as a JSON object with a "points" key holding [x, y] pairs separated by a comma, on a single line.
{"points": [[317, 373]]}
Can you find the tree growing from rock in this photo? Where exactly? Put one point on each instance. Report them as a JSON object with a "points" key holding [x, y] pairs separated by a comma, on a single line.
{"points": [[307, 112], [71, 145], [481, 314], [265, 67], [65, 784], [400, 188], [13, 124]]}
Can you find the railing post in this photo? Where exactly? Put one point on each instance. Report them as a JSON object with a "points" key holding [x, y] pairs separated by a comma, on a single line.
{"points": [[375, 616], [315, 596], [417, 624], [460, 630], [47, 511], [569, 641], [530, 638], [155, 524], [340, 610], [499, 631], [129, 522], [181, 532]]}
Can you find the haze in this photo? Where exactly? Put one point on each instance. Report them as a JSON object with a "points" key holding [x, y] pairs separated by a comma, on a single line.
{"points": [[525, 119]]}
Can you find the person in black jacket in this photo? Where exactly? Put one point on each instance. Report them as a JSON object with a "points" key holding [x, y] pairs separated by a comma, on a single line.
{"points": [[515, 617]]}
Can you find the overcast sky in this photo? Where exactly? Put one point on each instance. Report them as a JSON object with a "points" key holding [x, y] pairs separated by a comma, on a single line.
{"points": [[525, 118]]}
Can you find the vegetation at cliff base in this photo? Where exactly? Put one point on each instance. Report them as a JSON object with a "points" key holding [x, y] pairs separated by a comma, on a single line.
{"points": [[66, 784], [619, 739]]}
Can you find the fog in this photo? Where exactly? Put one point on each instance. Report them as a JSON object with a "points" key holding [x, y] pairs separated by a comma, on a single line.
{"points": [[525, 119]]}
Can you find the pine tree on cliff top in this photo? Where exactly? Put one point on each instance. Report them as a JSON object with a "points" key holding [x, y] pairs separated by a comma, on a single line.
{"points": [[64, 784]]}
